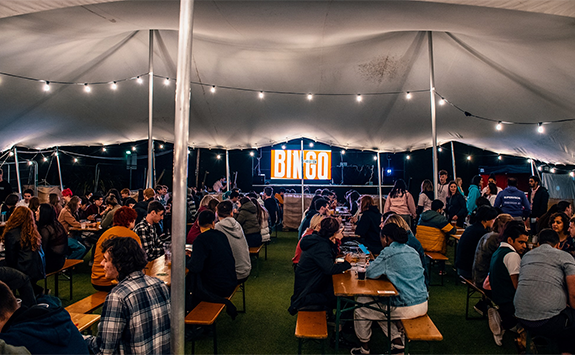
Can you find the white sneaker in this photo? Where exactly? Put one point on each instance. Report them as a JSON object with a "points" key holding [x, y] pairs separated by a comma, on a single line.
{"points": [[359, 351], [495, 325]]}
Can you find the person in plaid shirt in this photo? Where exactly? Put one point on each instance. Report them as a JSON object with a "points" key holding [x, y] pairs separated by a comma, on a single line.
{"points": [[136, 315], [147, 230]]}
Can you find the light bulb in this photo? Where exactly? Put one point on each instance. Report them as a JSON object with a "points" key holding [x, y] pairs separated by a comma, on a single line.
{"points": [[261, 95], [529, 161], [139, 80], [114, 86], [311, 144], [309, 97], [161, 146], [252, 154], [103, 149], [128, 152], [552, 170], [499, 126], [572, 174], [45, 159], [343, 152], [442, 101], [11, 153], [540, 168], [213, 89], [167, 81], [375, 157], [218, 156], [47, 86], [540, 127], [408, 157], [134, 148], [29, 162], [499, 157], [469, 157], [283, 147], [75, 160], [87, 88], [408, 95], [440, 149], [358, 98]]}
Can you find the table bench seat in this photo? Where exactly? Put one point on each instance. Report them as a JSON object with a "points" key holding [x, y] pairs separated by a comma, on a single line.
{"points": [[88, 304], [311, 325], [69, 264], [84, 321], [420, 329], [435, 257]]}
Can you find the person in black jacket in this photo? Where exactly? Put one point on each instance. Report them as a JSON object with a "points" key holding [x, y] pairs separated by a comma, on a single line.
{"points": [[456, 208], [271, 204], [368, 225], [465, 253], [318, 205], [539, 198], [313, 287]]}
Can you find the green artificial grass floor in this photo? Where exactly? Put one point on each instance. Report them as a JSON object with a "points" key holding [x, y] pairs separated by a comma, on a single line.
{"points": [[267, 327]]}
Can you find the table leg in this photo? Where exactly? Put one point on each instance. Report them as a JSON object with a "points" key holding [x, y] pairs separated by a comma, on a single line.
{"points": [[337, 317], [388, 315]]}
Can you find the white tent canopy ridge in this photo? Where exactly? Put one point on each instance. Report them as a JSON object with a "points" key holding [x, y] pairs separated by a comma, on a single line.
{"points": [[497, 65]]}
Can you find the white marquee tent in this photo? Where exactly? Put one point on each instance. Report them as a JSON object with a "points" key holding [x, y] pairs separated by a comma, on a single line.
{"points": [[509, 61]]}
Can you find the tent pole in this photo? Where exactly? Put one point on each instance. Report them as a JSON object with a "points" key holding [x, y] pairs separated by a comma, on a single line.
{"points": [[302, 181], [59, 169], [150, 180], [198, 168], [533, 169], [432, 104], [228, 185], [180, 182], [17, 171], [453, 162], [379, 182]]}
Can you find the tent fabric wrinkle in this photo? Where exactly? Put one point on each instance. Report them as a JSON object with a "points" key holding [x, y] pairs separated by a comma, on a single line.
{"points": [[508, 61]]}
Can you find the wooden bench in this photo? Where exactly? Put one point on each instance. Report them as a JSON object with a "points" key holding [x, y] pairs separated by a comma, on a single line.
{"points": [[471, 290], [255, 253], [420, 329], [311, 325], [88, 304], [242, 288], [84, 322], [68, 265], [433, 258], [205, 314]]}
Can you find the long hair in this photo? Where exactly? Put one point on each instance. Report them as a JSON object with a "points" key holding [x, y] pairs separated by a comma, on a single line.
{"points": [[47, 215], [29, 236], [449, 188], [397, 219], [366, 203], [261, 211], [73, 204], [399, 189], [426, 185]]}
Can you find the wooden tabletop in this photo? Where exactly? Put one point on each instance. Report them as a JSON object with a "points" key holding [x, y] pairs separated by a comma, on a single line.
{"points": [[87, 229], [347, 284], [158, 269], [84, 321]]}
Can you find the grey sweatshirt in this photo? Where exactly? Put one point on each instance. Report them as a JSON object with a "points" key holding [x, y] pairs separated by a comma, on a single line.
{"points": [[233, 230]]}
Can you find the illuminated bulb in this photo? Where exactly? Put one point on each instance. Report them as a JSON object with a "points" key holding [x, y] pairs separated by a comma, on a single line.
{"points": [[213, 89], [343, 152], [572, 174], [75, 160], [440, 149], [139, 80], [469, 157], [540, 168], [375, 157], [309, 97], [128, 152], [499, 157], [408, 95], [56, 153], [283, 147], [87, 88], [499, 126], [529, 161], [442, 101], [103, 149], [552, 170], [408, 157], [261, 95], [114, 86], [167, 81], [218, 156], [188, 152], [358, 98], [540, 127], [11, 153], [45, 159], [311, 144], [134, 148], [47, 86], [252, 154], [161, 146], [29, 162]]}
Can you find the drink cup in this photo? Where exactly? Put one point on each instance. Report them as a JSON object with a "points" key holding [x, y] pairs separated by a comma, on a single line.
{"points": [[361, 268], [83, 225]]}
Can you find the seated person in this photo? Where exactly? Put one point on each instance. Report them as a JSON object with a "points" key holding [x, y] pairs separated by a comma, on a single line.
{"points": [[432, 228], [314, 226], [247, 217], [313, 287], [400, 263], [124, 221], [318, 205], [503, 276], [18, 280], [487, 245], [212, 268], [45, 328], [465, 252]]}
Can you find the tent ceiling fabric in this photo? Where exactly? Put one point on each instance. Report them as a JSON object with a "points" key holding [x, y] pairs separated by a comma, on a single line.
{"points": [[503, 60]]}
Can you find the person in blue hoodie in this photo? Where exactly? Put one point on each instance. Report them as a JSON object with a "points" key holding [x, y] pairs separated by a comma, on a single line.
{"points": [[400, 263], [45, 328], [513, 201], [474, 193]]}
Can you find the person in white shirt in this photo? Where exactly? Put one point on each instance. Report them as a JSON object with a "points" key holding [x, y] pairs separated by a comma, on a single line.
{"points": [[26, 196], [442, 187], [491, 179]]}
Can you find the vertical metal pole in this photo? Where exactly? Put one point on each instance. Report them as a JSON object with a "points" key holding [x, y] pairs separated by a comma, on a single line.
{"points": [[432, 104], [379, 183], [533, 168], [59, 169], [17, 171], [302, 180], [198, 168], [150, 179], [229, 185], [453, 162], [181, 135]]}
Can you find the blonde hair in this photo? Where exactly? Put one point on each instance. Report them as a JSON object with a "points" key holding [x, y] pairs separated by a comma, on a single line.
{"points": [[501, 221], [206, 200], [397, 219], [316, 221]]}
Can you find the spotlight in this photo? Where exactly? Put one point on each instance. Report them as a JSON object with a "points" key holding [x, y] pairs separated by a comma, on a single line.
{"points": [[408, 95], [540, 127], [388, 171], [358, 98], [213, 89], [499, 126], [311, 144], [47, 86]]}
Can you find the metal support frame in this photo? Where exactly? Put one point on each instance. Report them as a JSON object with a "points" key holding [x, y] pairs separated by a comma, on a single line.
{"points": [[380, 204], [17, 171], [433, 118], [453, 162], [302, 180], [150, 179], [228, 183], [59, 169]]}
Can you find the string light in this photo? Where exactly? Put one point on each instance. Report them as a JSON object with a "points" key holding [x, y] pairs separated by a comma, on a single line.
{"points": [[469, 157], [139, 80], [540, 127], [218, 156], [309, 97], [408, 95], [167, 81], [47, 86], [499, 157], [56, 153], [408, 157], [11, 153], [311, 144], [540, 168], [442, 101], [375, 157], [343, 152], [552, 170], [358, 98], [134, 148], [114, 86], [252, 154], [161, 146], [44, 159], [103, 149], [29, 162], [87, 87], [213, 89], [440, 149], [75, 160], [261, 95], [283, 147], [499, 126]]}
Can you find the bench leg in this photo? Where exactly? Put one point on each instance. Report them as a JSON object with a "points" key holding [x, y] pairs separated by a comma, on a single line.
{"points": [[215, 338], [56, 284], [193, 346], [323, 346], [243, 288], [266, 250], [71, 280], [300, 340]]}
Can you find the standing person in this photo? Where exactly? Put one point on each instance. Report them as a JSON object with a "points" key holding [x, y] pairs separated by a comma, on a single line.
{"points": [[491, 180], [219, 185], [136, 314], [5, 188], [545, 297], [368, 225], [54, 238], [263, 219], [513, 201], [491, 193], [23, 246], [401, 202], [313, 286], [559, 222], [279, 196], [147, 230], [459, 182], [124, 222], [442, 188], [465, 252], [503, 278], [233, 231], [26, 196], [271, 205], [538, 197], [247, 217], [68, 220], [456, 209], [473, 193], [425, 197], [400, 263]]}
